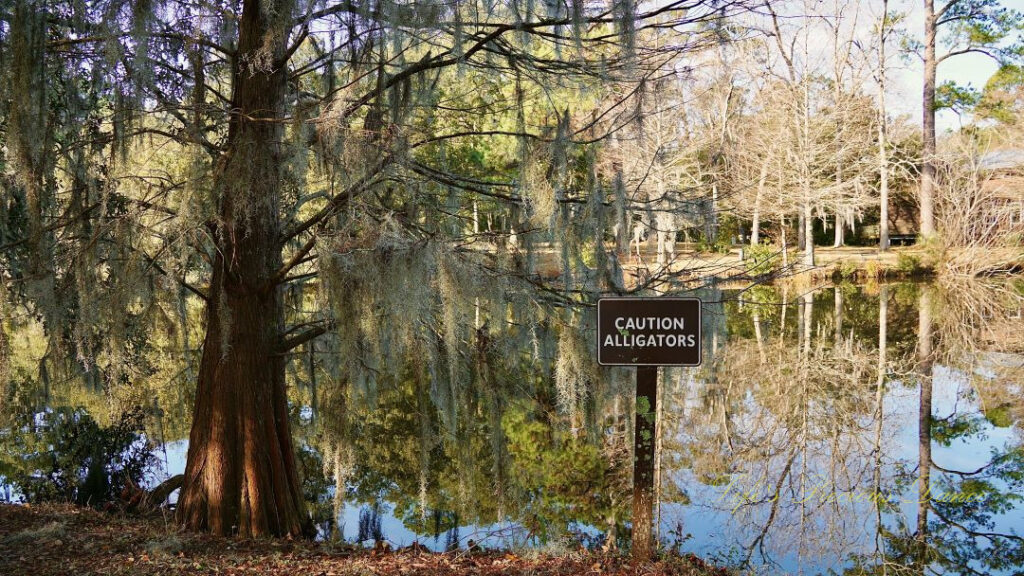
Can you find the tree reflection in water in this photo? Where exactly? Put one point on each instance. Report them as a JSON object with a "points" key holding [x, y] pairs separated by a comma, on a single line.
{"points": [[872, 436], [829, 428]]}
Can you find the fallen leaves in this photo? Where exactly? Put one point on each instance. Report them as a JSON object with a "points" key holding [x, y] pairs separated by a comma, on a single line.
{"points": [[92, 542]]}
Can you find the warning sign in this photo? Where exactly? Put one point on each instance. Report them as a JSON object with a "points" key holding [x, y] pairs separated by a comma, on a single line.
{"points": [[648, 331]]}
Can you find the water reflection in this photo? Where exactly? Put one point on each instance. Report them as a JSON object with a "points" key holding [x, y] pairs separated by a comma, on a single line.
{"points": [[857, 439], [853, 429]]}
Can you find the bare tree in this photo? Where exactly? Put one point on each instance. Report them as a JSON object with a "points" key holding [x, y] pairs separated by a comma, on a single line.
{"points": [[974, 26], [980, 218]]}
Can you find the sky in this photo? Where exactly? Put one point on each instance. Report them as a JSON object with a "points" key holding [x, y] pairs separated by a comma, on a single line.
{"points": [[904, 71], [973, 69]]}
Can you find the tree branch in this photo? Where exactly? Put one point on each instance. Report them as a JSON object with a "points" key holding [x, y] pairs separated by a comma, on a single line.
{"points": [[303, 337], [339, 200], [292, 262], [968, 50], [942, 11]]}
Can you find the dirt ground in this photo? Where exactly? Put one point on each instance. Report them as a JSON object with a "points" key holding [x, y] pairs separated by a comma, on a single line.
{"points": [[66, 540]]}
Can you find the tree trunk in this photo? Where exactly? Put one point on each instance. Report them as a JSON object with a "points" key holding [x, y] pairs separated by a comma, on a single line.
{"points": [[801, 229], [758, 335], [711, 217], [839, 61], [755, 228], [785, 249], [808, 321], [924, 431], [927, 198], [883, 190], [883, 159], [837, 315], [241, 475], [808, 222], [714, 212], [883, 339]]}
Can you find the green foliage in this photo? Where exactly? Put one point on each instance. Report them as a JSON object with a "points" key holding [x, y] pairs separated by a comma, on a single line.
{"points": [[316, 487], [983, 25], [716, 247], [873, 269], [763, 259], [1002, 99], [847, 269], [963, 531], [931, 250], [728, 229], [908, 264], [760, 302], [956, 97], [63, 455], [946, 430], [1000, 417], [567, 478]]}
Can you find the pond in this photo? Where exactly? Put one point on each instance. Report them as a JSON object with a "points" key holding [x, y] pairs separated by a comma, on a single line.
{"points": [[854, 429]]}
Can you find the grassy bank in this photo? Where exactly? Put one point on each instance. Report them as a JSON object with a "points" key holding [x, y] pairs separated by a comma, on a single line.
{"points": [[845, 263], [859, 264], [913, 262], [57, 539]]}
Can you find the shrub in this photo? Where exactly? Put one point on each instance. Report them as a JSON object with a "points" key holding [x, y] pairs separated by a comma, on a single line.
{"points": [[846, 269], [873, 269], [908, 264], [763, 259], [721, 246], [65, 456]]}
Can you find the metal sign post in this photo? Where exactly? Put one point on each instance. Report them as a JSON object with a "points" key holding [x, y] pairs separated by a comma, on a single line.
{"points": [[647, 333]]}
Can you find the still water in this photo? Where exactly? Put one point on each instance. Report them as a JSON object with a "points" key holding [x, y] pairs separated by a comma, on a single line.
{"points": [[849, 429]]}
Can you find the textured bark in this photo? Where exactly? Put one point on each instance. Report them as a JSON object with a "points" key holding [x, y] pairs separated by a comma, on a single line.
{"points": [[927, 196], [241, 475], [755, 226], [807, 222]]}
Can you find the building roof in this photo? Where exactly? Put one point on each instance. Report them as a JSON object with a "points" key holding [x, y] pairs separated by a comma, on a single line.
{"points": [[1002, 159]]}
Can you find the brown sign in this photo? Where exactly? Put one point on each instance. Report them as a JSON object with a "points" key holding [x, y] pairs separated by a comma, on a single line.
{"points": [[648, 332]]}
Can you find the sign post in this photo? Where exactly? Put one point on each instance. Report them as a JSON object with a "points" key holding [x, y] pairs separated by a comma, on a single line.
{"points": [[647, 333]]}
